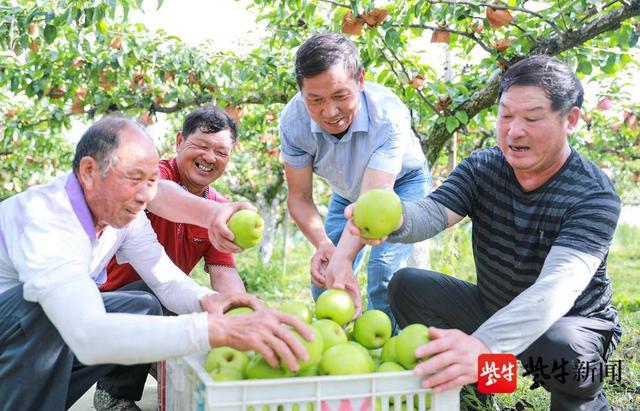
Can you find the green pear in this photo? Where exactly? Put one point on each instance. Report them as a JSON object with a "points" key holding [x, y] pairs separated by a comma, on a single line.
{"points": [[226, 374], [410, 338], [298, 309], [226, 357], [389, 350], [332, 333], [335, 305], [377, 213], [372, 329], [239, 310], [247, 227], [259, 368], [390, 367]]}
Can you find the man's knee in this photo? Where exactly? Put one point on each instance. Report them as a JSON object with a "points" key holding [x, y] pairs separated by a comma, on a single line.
{"points": [[408, 281], [150, 304], [565, 366], [396, 284], [133, 302]]}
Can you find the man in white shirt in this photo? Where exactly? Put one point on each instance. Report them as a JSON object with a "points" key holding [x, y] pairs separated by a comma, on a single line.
{"points": [[55, 242]]}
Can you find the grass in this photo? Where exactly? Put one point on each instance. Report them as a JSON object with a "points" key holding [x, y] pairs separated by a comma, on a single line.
{"points": [[451, 253]]}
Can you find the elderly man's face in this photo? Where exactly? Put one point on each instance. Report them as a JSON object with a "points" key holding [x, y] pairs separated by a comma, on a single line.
{"points": [[129, 185], [333, 98], [202, 158], [533, 137]]}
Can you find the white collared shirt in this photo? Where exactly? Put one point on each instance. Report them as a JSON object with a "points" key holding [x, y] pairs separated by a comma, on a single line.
{"points": [[48, 243]]}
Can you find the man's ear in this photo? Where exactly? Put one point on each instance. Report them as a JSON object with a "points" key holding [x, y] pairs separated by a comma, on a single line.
{"points": [[361, 80], [179, 140], [88, 171], [572, 119]]}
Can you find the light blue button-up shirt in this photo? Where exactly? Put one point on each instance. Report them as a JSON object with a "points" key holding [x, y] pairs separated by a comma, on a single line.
{"points": [[380, 137]]}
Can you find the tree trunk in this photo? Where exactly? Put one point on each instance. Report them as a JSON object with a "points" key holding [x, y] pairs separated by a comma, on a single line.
{"points": [[486, 97], [270, 216]]}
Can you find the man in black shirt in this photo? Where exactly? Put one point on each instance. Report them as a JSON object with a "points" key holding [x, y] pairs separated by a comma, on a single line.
{"points": [[543, 219]]}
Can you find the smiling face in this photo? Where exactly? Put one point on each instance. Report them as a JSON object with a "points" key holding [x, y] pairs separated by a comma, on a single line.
{"points": [[116, 198], [202, 158], [333, 98], [533, 137]]}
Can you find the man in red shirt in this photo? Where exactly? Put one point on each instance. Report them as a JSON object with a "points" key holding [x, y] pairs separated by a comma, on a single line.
{"points": [[203, 148]]}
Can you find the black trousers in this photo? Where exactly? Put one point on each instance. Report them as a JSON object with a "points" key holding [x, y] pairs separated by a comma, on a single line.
{"points": [[439, 300], [38, 371], [127, 381]]}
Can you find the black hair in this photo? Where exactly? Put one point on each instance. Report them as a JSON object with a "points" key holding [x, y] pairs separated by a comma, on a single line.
{"points": [[557, 79], [209, 119], [323, 50]]}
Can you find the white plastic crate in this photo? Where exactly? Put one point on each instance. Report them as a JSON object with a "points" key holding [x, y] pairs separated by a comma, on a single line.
{"points": [[189, 388]]}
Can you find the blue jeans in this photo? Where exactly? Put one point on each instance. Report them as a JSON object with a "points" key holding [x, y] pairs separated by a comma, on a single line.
{"points": [[38, 370], [386, 258]]}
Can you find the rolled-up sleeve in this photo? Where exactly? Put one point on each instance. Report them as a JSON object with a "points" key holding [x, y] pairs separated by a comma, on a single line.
{"points": [[389, 155], [291, 154]]}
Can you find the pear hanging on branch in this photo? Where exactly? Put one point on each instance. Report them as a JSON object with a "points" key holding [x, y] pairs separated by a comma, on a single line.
{"points": [[498, 18], [375, 17], [417, 82], [352, 25], [440, 36], [502, 45]]}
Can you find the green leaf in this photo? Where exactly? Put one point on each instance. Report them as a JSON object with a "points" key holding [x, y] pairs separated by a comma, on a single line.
{"points": [[452, 124], [585, 67], [462, 116], [610, 66], [159, 4], [102, 27], [392, 38]]}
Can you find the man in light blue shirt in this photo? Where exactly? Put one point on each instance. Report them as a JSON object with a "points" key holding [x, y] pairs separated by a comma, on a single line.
{"points": [[358, 137]]}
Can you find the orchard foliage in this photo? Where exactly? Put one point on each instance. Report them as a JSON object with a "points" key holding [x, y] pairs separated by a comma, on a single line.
{"points": [[75, 60], [64, 60], [599, 39]]}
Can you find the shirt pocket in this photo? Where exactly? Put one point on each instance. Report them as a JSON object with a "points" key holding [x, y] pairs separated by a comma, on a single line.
{"points": [[197, 235]]}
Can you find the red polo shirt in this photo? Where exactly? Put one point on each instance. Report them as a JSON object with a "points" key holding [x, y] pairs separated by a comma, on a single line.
{"points": [[185, 244]]}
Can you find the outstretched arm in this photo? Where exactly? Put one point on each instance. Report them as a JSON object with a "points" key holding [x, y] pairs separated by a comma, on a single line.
{"points": [[339, 272], [421, 220], [305, 214], [178, 205], [454, 354]]}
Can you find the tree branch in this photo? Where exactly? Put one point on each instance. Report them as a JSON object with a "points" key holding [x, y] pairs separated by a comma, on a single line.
{"points": [[500, 7], [470, 35], [604, 23], [480, 100], [486, 97], [179, 105], [406, 72], [335, 3]]}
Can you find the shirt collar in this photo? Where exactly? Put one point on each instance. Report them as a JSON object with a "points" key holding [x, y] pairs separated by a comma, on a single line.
{"points": [[360, 122], [79, 205], [175, 174], [175, 177]]}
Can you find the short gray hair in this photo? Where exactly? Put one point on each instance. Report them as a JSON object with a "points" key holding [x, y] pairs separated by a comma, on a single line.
{"points": [[100, 142]]}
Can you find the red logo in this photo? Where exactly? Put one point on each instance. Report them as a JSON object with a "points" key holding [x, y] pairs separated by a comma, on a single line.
{"points": [[497, 373]]}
